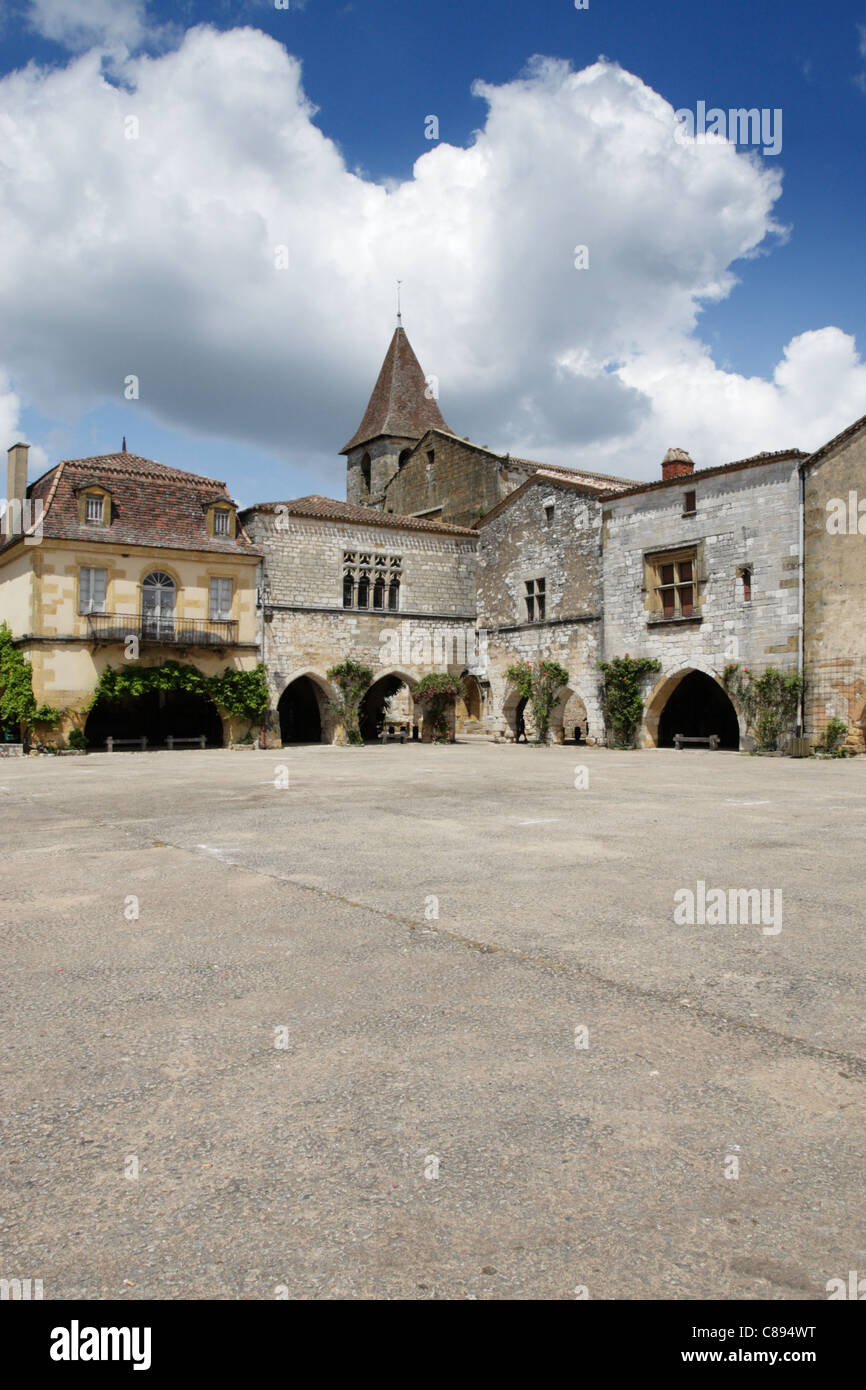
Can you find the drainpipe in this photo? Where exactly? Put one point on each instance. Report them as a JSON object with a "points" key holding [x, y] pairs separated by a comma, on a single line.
{"points": [[801, 589]]}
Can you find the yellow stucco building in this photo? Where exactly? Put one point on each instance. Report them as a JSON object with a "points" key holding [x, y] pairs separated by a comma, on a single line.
{"points": [[117, 558]]}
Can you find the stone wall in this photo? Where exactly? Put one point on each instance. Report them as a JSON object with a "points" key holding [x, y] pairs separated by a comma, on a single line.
{"points": [[461, 479], [835, 589], [307, 630], [744, 519], [523, 542]]}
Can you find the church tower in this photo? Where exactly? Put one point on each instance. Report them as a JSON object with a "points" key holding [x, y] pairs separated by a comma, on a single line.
{"points": [[401, 409]]}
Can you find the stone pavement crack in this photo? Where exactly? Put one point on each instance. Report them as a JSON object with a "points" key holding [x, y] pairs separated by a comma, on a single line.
{"points": [[624, 989]]}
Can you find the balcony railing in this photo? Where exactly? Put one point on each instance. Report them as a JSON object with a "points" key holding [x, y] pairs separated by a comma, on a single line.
{"points": [[176, 632]]}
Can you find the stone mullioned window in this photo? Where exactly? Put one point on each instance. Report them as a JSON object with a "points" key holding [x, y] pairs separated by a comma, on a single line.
{"points": [[372, 580]]}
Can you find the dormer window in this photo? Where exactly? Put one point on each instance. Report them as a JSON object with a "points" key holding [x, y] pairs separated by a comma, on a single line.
{"points": [[94, 507], [221, 522]]}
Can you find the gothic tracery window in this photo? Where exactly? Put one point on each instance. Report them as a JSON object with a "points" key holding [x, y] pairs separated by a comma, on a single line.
{"points": [[371, 580]]}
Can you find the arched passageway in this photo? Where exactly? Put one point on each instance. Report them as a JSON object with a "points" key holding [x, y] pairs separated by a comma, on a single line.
{"points": [[300, 717], [155, 716], [698, 707], [388, 695], [568, 718], [468, 710]]}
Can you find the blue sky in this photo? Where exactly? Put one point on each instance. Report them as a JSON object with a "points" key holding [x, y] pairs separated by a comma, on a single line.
{"points": [[374, 71]]}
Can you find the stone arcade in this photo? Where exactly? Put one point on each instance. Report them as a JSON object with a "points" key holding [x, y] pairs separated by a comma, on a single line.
{"points": [[449, 556]]}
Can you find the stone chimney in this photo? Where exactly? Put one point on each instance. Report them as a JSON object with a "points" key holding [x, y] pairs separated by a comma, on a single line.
{"points": [[677, 464], [16, 477]]}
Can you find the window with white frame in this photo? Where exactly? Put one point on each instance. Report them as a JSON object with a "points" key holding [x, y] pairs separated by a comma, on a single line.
{"points": [[220, 599], [221, 521], [93, 509], [92, 585], [535, 599]]}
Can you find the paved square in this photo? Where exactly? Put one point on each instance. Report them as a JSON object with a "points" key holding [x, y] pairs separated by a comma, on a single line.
{"points": [[428, 1127]]}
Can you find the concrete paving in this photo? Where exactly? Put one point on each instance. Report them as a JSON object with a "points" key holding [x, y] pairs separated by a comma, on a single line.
{"points": [[240, 991]]}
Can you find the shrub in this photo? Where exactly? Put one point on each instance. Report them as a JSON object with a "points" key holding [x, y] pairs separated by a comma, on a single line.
{"points": [[539, 685], [437, 691], [769, 702], [77, 739], [835, 732], [17, 702], [352, 681], [622, 700]]}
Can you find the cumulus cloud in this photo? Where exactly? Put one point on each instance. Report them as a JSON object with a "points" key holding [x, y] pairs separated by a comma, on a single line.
{"points": [[80, 24], [143, 222]]}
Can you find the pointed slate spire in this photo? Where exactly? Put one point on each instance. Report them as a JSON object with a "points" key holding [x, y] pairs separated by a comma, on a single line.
{"points": [[400, 405]]}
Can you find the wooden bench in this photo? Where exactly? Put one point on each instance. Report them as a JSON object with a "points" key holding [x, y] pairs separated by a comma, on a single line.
{"points": [[711, 739], [112, 743], [172, 739], [393, 733]]}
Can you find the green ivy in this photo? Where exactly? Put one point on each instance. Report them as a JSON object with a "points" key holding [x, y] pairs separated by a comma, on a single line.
{"points": [[17, 702], [352, 680], [437, 691], [540, 685], [769, 702], [622, 697], [242, 694]]}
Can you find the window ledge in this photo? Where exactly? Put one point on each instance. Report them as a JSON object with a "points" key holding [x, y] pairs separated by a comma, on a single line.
{"points": [[674, 622]]}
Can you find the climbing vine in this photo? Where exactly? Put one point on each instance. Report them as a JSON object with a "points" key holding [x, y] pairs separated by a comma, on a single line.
{"points": [[622, 696], [769, 702], [242, 694], [437, 692], [352, 680], [18, 707], [539, 685]]}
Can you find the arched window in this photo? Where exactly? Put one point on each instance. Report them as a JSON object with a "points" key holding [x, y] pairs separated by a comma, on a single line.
{"points": [[379, 592], [365, 471], [158, 602], [363, 591], [348, 590], [404, 455], [394, 595]]}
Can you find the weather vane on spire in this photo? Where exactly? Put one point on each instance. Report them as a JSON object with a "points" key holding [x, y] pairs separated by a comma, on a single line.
{"points": [[399, 315]]}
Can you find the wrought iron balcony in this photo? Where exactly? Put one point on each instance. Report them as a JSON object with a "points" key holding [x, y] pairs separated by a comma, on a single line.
{"points": [[175, 632]]}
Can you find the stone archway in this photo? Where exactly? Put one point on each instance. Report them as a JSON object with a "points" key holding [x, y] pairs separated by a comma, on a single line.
{"points": [[302, 711], [693, 703], [469, 708], [514, 708], [568, 713], [156, 715], [393, 688]]}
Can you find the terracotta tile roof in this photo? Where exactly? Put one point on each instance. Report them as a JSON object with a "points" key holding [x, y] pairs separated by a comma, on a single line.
{"points": [[151, 504], [399, 404], [754, 461], [328, 509]]}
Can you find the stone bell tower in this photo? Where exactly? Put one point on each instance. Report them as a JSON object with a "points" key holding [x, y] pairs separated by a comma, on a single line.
{"points": [[401, 409]]}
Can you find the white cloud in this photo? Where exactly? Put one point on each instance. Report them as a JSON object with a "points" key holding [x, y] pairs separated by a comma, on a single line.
{"points": [[155, 257], [79, 24]]}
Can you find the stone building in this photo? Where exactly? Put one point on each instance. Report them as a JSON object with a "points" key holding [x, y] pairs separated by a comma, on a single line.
{"points": [[701, 570], [834, 501], [344, 581]]}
